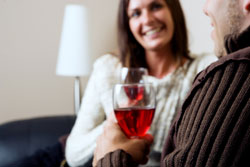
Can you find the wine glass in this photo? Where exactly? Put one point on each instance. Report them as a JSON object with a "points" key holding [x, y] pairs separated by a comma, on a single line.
{"points": [[134, 107], [133, 75]]}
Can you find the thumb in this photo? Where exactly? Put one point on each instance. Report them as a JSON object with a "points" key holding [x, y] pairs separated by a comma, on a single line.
{"points": [[148, 138], [112, 118]]}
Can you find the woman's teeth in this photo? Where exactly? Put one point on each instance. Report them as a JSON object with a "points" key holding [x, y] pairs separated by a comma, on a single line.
{"points": [[151, 32]]}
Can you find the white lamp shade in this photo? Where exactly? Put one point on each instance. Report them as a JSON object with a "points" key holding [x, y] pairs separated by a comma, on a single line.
{"points": [[74, 58]]}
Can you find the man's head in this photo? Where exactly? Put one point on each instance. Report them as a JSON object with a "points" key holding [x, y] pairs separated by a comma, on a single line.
{"points": [[227, 17]]}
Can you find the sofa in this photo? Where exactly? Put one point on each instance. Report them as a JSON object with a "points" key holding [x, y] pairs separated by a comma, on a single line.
{"points": [[22, 138]]}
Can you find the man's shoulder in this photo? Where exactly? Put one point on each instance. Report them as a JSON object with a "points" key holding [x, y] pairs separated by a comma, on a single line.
{"points": [[228, 64], [239, 57]]}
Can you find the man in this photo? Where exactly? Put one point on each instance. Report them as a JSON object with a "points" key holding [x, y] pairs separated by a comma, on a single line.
{"points": [[213, 127]]}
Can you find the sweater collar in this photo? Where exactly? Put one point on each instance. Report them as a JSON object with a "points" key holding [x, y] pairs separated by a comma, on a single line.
{"points": [[237, 41]]}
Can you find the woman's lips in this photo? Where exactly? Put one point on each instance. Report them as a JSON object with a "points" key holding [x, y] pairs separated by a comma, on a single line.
{"points": [[153, 31]]}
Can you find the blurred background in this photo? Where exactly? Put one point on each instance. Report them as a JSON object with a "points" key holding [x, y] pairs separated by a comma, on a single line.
{"points": [[30, 34]]}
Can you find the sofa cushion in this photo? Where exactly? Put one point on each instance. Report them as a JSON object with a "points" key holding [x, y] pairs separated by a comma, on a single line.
{"points": [[22, 138]]}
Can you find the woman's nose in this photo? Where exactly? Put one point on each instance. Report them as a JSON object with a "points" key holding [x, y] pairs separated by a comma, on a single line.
{"points": [[147, 17]]}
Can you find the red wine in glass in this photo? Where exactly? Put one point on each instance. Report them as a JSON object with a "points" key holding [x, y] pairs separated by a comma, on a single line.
{"points": [[134, 107], [135, 121]]}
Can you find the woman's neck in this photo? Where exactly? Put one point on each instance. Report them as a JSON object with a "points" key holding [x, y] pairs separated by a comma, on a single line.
{"points": [[161, 63]]}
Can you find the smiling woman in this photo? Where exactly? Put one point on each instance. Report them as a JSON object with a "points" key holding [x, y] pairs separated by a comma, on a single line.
{"points": [[138, 19]]}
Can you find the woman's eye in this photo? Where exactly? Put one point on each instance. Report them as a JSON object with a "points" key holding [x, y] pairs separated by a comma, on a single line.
{"points": [[156, 6], [135, 14]]}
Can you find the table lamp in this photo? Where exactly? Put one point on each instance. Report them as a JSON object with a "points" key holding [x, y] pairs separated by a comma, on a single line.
{"points": [[74, 59]]}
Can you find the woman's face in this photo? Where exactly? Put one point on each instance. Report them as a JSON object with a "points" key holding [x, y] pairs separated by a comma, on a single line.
{"points": [[151, 23]]}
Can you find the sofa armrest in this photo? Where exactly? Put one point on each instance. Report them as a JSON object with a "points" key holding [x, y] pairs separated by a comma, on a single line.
{"points": [[22, 138]]}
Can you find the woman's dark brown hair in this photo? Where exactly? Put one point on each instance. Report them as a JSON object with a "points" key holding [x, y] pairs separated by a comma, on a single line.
{"points": [[132, 53]]}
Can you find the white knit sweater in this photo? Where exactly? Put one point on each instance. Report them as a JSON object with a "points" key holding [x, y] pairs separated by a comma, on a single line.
{"points": [[97, 104]]}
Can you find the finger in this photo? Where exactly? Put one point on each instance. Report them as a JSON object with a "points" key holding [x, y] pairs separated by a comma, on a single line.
{"points": [[145, 143], [98, 140], [109, 126], [146, 149], [112, 125], [148, 139], [105, 125], [94, 163], [143, 146], [112, 117], [94, 159], [145, 160]]}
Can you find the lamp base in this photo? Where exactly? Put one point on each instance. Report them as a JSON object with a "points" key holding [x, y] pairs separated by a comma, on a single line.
{"points": [[77, 94]]}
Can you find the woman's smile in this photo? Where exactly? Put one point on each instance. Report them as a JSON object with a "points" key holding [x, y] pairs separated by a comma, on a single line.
{"points": [[153, 31]]}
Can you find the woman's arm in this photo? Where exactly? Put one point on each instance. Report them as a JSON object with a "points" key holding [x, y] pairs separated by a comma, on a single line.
{"points": [[88, 126], [96, 104]]}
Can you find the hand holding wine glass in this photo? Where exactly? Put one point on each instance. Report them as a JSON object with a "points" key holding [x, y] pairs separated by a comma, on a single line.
{"points": [[113, 139]]}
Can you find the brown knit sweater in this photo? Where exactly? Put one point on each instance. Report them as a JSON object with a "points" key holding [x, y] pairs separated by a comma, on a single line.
{"points": [[213, 126]]}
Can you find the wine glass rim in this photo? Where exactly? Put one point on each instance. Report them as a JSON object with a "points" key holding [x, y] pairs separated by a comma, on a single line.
{"points": [[133, 84], [135, 68]]}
